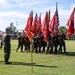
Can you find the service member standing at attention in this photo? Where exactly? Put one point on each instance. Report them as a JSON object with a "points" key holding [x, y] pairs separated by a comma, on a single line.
{"points": [[7, 46]]}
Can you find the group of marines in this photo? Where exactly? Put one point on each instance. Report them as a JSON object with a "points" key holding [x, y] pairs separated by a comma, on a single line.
{"points": [[54, 45]]}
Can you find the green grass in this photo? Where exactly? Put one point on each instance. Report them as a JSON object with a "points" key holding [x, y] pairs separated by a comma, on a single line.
{"points": [[44, 64]]}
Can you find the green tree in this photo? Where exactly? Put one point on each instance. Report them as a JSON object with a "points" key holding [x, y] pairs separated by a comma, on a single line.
{"points": [[63, 28], [13, 30]]}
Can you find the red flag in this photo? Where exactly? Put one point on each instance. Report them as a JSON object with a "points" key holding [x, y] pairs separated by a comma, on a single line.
{"points": [[39, 26], [53, 27], [45, 27], [52, 24], [29, 28], [43, 24], [70, 25], [35, 24]]}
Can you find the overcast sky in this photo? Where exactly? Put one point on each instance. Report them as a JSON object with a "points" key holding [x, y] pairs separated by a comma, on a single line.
{"points": [[18, 11]]}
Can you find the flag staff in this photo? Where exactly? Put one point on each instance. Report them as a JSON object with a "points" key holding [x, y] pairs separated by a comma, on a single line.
{"points": [[31, 60], [31, 47]]}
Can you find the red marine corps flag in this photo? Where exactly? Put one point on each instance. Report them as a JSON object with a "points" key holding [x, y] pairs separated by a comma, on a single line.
{"points": [[45, 27], [29, 28], [35, 24], [39, 25], [70, 25]]}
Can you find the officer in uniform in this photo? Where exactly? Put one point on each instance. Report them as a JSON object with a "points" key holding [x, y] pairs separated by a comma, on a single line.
{"points": [[26, 43], [23, 38], [59, 42], [55, 43], [43, 43], [20, 43], [49, 44], [34, 43], [7, 46], [63, 38]]}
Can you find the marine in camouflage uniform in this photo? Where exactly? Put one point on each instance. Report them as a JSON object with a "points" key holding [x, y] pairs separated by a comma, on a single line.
{"points": [[63, 38], [55, 43], [20, 43], [35, 43], [43, 43], [49, 44], [59, 43], [7, 46], [26, 43]]}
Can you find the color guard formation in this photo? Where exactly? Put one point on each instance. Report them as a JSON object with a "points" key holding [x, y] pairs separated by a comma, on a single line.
{"points": [[54, 45]]}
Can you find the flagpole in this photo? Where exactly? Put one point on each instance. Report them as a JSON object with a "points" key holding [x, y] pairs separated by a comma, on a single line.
{"points": [[31, 48], [31, 60], [56, 5]]}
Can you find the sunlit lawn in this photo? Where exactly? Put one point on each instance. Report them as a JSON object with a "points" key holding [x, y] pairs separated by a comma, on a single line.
{"points": [[44, 64]]}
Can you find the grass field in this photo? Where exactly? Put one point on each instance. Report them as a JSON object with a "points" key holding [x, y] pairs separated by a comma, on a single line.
{"points": [[44, 64]]}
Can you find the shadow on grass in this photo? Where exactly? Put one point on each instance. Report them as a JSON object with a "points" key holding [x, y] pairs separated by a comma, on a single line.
{"points": [[70, 53], [30, 64], [1, 61]]}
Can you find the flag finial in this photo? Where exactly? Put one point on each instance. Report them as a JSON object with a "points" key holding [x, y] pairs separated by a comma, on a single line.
{"points": [[56, 5]]}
